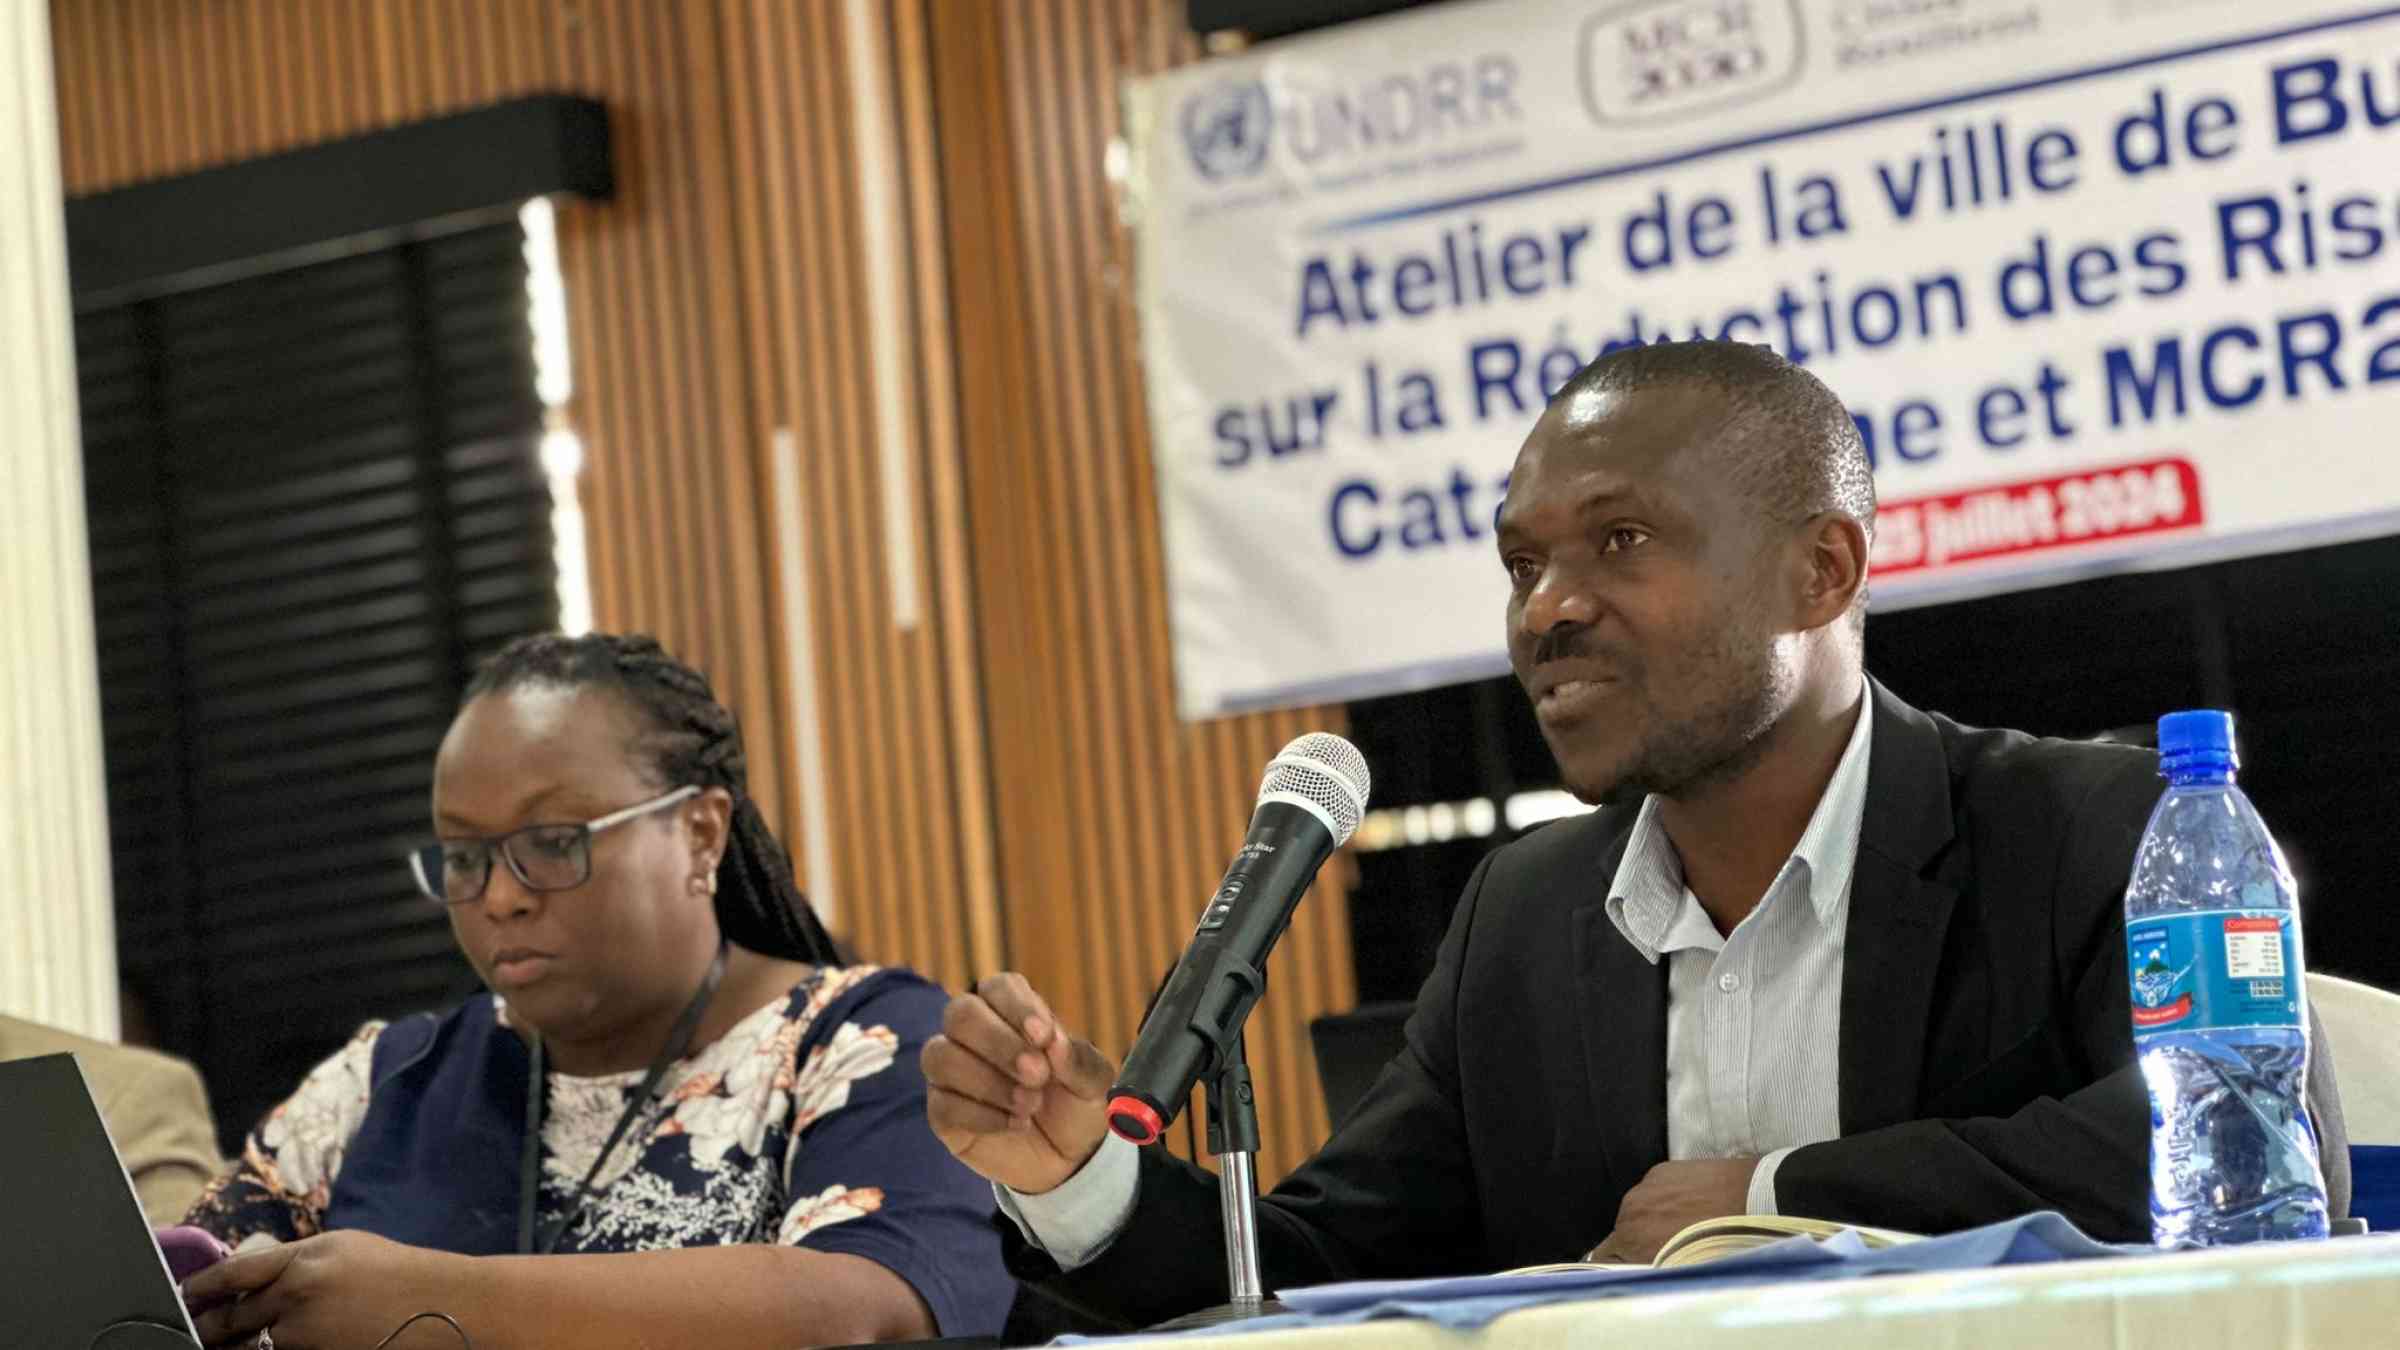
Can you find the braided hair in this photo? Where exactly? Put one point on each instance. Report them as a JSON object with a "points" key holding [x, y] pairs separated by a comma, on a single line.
{"points": [[691, 739]]}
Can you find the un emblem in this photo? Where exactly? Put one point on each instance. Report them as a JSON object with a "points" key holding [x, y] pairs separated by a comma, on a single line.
{"points": [[1225, 128]]}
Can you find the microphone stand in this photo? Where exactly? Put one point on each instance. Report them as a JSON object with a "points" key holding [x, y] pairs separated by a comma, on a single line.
{"points": [[1233, 1137]]}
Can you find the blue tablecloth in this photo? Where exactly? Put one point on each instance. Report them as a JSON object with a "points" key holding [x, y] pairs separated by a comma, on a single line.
{"points": [[1471, 1301]]}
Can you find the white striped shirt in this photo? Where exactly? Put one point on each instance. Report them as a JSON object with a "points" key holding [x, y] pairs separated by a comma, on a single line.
{"points": [[1754, 1017]]}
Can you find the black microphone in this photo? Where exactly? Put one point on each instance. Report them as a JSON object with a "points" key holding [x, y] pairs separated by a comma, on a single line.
{"points": [[1312, 798]]}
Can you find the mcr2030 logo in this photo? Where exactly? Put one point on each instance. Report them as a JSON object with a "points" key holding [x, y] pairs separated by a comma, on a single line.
{"points": [[1226, 129], [1662, 59]]}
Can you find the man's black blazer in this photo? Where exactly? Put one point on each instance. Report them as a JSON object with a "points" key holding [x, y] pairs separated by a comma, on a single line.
{"points": [[1986, 1057]]}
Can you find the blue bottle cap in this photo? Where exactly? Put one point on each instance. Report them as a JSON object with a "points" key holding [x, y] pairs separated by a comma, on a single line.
{"points": [[2197, 746]]}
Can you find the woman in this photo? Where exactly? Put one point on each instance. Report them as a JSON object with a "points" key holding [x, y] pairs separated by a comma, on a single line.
{"points": [[727, 1126]]}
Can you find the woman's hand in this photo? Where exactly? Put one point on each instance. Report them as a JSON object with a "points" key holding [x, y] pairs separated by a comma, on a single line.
{"points": [[337, 1291]]}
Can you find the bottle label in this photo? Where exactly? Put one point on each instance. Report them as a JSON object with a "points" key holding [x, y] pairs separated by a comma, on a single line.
{"points": [[2222, 968]]}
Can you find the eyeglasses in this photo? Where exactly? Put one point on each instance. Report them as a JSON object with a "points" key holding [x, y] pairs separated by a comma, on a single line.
{"points": [[540, 857]]}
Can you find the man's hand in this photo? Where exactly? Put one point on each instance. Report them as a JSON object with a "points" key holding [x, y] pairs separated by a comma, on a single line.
{"points": [[336, 1291], [1010, 1093], [1673, 1197]]}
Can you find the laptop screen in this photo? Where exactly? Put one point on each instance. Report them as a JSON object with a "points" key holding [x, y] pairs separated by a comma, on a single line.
{"points": [[78, 1267]]}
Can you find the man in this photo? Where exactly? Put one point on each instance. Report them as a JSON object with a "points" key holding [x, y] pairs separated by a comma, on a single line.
{"points": [[1820, 954], [154, 1106]]}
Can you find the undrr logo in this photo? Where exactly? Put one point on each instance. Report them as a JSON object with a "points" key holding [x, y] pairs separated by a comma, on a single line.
{"points": [[1661, 59], [1226, 128]]}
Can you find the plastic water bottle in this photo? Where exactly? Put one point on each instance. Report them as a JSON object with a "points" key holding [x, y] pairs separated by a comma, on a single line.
{"points": [[2212, 931]]}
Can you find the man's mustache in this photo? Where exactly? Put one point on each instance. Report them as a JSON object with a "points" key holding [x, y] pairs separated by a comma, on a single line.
{"points": [[1569, 642]]}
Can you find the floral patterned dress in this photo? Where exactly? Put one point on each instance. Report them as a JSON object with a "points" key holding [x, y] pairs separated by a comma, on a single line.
{"points": [[803, 1125]]}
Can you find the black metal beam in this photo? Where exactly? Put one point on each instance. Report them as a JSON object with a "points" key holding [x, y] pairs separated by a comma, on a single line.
{"points": [[321, 201], [1261, 20]]}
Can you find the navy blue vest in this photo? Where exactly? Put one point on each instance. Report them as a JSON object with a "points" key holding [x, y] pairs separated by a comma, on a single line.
{"points": [[435, 1162]]}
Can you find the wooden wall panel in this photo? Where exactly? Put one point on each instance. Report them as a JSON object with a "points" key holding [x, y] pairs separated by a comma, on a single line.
{"points": [[1058, 451], [151, 88], [1005, 783], [676, 488]]}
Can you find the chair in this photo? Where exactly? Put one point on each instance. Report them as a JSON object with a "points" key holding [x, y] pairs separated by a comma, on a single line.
{"points": [[2363, 1025], [1352, 1049]]}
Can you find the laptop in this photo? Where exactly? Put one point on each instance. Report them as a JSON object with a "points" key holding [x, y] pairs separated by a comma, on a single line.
{"points": [[78, 1267]]}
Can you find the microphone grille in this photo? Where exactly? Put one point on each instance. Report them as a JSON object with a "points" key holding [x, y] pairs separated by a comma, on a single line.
{"points": [[1326, 770]]}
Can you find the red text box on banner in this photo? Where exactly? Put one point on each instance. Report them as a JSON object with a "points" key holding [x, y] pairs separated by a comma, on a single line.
{"points": [[2012, 520]]}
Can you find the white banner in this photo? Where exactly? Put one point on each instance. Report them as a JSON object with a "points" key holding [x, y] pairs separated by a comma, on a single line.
{"points": [[2106, 283]]}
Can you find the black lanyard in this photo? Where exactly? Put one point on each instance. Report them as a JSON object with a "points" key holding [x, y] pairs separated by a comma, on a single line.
{"points": [[529, 1171]]}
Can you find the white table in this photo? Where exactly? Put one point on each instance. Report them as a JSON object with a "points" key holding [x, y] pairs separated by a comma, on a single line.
{"points": [[2343, 1295]]}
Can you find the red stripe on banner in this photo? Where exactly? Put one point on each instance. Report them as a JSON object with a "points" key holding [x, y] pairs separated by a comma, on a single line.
{"points": [[2037, 516]]}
